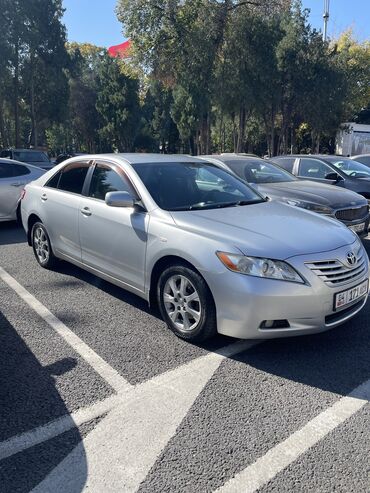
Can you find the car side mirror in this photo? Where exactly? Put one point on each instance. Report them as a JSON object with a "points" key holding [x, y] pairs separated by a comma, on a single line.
{"points": [[119, 199], [333, 176]]}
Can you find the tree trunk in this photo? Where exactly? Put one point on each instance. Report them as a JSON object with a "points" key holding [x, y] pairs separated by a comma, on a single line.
{"points": [[33, 111], [16, 96], [241, 130], [3, 138]]}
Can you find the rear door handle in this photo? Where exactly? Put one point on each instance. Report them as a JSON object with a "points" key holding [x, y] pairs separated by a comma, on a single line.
{"points": [[17, 184], [86, 211], [44, 197]]}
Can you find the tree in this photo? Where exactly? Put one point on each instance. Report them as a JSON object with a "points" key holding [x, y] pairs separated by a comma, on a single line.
{"points": [[179, 43], [118, 104], [35, 39]]}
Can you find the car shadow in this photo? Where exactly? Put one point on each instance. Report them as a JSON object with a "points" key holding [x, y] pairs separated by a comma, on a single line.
{"points": [[68, 269], [11, 232], [29, 399], [335, 361]]}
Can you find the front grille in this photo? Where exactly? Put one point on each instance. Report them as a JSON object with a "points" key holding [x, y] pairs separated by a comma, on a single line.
{"points": [[335, 273], [352, 214]]}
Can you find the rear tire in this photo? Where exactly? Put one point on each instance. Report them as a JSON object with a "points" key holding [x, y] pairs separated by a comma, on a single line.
{"points": [[186, 304], [42, 247]]}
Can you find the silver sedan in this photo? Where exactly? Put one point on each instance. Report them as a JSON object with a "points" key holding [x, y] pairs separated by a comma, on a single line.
{"points": [[210, 251], [14, 176]]}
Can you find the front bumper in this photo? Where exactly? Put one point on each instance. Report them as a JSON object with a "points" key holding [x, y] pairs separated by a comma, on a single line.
{"points": [[243, 302]]}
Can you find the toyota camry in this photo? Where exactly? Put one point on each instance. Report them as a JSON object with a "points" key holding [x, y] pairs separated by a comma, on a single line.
{"points": [[211, 252]]}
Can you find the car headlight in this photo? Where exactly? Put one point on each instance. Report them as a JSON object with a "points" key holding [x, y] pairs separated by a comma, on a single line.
{"points": [[260, 267], [310, 206]]}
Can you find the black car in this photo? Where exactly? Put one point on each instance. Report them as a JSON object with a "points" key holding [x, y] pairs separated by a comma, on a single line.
{"points": [[28, 156], [336, 170], [276, 183]]}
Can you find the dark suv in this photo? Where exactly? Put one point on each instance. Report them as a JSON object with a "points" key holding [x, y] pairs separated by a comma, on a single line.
{"points": [[28, 156], [336, 170]]}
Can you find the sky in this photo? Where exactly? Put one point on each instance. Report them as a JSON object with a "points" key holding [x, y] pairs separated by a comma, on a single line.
{"points": [[95, 21]]}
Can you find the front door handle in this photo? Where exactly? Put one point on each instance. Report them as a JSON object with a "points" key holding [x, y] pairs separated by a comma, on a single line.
{"points": [[17, 184], [86, 211], [44, 197]]}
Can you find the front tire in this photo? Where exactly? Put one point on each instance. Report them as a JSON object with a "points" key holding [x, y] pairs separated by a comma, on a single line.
{"points": [[42, 247], [186, 304]]}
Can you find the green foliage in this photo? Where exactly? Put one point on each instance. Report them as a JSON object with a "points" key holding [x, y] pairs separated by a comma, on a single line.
{"points": [[118, 105]]}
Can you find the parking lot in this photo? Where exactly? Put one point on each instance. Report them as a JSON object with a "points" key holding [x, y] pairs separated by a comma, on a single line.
{"points": [[96, 393]]}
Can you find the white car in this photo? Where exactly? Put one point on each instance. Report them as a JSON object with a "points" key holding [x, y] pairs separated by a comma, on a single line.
{"points": [[14, 175]]}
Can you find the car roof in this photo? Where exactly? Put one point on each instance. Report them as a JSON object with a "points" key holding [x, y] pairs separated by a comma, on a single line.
{"points": [[322, 156], [359, 155], [228, 157], [142, 157]]}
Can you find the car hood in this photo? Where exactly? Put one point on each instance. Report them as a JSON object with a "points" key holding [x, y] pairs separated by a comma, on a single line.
{"points": [[309, 191], [268, 229]]}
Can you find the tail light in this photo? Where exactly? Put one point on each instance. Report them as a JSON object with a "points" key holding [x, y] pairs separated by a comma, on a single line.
{"points": [[23, 193]]}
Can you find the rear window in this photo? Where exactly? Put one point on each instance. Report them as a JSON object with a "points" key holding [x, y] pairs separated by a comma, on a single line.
{"points": [[70, 179], [259, 171], [73, 179], [285, 162], [8, 170], [30, 157]]}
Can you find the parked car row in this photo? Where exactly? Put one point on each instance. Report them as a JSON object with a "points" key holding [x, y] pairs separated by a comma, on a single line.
{"points": [[200, 239], [278, 184], [341, 171]]}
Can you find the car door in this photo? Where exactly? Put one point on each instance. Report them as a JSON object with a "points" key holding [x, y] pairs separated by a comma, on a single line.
{"points": [[60, 202], [314, 169], [113, 239], [13, 177]]}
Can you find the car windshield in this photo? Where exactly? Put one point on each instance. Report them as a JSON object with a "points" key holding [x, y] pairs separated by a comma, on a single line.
{"points": [[258, 171], [185, 186], [351, 167], [31, 157]]}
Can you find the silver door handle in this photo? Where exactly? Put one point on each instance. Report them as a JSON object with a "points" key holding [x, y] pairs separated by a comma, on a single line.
{"points": [[44, 197], [86, 211], [17, 184]]}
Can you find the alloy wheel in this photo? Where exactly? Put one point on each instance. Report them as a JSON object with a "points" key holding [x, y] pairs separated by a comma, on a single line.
{"points": [[41, 245], [182, 303]]}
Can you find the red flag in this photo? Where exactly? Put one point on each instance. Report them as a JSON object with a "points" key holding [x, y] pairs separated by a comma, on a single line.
{"points": [[121, 51]]}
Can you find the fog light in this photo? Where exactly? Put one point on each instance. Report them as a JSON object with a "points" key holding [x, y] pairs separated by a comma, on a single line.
{"points": [[275, 324]]}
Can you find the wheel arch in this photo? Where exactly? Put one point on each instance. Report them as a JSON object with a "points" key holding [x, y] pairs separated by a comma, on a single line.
{"points": [[160, 265]]}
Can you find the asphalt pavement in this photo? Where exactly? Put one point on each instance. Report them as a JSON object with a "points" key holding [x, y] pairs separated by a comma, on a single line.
{"points": [[97, 395]]}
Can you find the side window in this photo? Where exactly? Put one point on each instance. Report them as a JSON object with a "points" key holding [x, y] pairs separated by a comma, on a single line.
{"points": [[105, 179], [285, 163], [6, 170], [72, 177], [312, 168], [19, 170], [54, 180], [6, 154]]}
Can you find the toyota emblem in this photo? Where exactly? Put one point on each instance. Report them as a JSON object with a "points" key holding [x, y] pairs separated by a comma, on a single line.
{"points": [[351, 258]]}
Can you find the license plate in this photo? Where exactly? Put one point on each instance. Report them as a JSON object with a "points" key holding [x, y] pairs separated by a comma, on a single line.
{"points": [[357, 228], [350, 295]]}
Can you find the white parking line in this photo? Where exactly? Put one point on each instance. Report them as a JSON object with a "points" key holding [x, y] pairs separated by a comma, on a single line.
{"points": [[109, 374], [285, 453], [122, 448], [29, 439]]}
